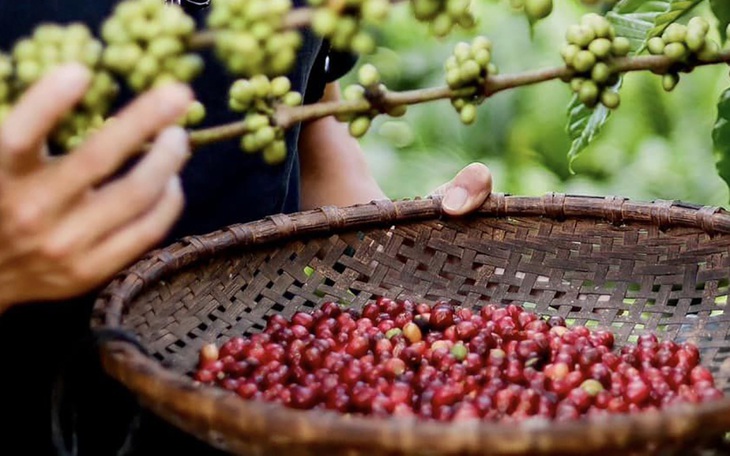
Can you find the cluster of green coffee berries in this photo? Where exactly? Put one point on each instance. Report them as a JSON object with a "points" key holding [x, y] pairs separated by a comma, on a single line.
{"points": [[6, 73], [591, 46], [258, 97], [51, 45], [344, 23], [683, 43], [369, 88], [443, 15], [467, 71], [251, 37], [147, 44], [534, 9]]}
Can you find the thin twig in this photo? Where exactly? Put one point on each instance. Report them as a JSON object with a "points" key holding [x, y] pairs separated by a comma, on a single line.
{"points": [[286, 117]]}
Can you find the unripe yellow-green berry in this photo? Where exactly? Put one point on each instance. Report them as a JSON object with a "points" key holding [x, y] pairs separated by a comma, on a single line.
{"points": [[588, 93], [675, 51], [580, 35], [670, 81], [576, 83], [275, 153], [538, 9], [709, 51], [359, 126], [353, 92], [674, 33], [375, 10], [699, 23], [655, 45], [363, 43], [468, 114], [568, 52], [441, 25], [280, 86], [620, 46], [324, 21], [292, 99], [599, 24], [470, 70], [584, 61], [195, 113], [600, 47], [368, 75], [254, 122], [601, 73], [610, 99]]}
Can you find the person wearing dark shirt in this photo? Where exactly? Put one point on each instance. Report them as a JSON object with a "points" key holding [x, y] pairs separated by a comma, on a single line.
{"points": [[68, 224]]}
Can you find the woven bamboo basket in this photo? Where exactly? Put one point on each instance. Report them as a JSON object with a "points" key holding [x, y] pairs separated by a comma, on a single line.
{"points": [[602, 262]]}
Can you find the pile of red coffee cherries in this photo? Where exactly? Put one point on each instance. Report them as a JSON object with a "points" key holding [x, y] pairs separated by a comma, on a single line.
{"points": [[441, 362]]}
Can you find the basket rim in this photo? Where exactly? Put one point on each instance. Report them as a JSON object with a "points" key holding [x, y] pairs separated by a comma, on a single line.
{"points": [[161, 388]]}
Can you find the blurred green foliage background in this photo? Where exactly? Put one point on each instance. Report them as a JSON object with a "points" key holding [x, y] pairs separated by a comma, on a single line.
{"points": [[656, 146]]}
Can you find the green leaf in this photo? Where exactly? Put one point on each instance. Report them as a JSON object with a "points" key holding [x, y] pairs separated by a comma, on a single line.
{"points": [[721, 9], [721, 137], [584, 124], [637, 20]]}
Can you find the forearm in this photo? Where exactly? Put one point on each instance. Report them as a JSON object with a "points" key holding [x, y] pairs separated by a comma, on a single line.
{"points": [[333, 167]]}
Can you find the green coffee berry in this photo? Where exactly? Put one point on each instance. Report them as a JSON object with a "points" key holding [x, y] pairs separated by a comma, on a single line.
{"points": [[576, 83], [538, 9], [601, 73], [280, 86], [695, 40], [275, 153], [569, 52], [600, 47], [580, 35], [709, 51], [359, 126], [674, 33], [610, 99], [584, 61], [468, 114], [670, 81], [194, 115], [676, 50], [599, 24], [655, 45], [368, 75], [588, 93], [620, 46]]}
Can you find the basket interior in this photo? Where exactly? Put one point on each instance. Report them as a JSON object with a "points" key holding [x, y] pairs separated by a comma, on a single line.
{"points": [[629, 279]]}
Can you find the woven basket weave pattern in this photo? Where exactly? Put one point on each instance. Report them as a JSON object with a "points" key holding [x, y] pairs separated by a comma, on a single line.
{"points": [[630, 269]]}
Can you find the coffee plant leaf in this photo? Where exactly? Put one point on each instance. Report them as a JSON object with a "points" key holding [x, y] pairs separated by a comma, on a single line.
{"points": [[721, 137], [584, 124], [639, 20], [721, 10]]}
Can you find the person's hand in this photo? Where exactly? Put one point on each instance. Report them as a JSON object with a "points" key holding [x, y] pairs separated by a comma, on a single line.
{"points": [[467, 190], [65, 226]]}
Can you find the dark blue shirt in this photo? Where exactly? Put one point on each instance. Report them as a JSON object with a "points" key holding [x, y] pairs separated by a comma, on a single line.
{"points": [[222, 186]]}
